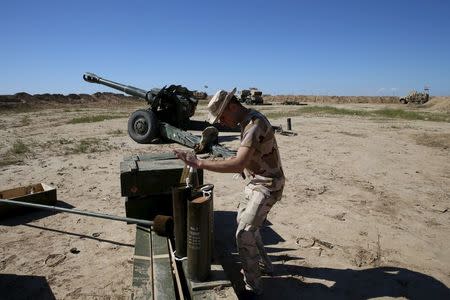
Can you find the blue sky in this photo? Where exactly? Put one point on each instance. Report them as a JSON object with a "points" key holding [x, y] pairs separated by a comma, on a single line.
{"points": [[282, 47]]}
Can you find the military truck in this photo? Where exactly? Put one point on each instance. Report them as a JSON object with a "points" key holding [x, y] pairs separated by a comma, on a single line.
{"points": [[415, 97], [250, 96]]}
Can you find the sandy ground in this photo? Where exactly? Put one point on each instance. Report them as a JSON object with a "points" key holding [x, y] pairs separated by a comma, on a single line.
{"points": [[365, 212]]}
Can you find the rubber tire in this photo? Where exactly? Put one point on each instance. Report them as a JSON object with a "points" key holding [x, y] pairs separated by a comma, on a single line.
{"points": [[150, 123]]}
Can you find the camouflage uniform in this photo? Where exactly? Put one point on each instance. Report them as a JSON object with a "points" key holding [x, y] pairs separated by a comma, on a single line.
{"points": [[261, 193]]}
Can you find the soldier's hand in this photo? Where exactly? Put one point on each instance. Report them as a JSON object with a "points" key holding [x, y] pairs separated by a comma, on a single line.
{"points": [[188, 157]]}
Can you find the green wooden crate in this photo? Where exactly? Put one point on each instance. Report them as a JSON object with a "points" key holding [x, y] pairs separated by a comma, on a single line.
{"points": [[146, 174], [151, 156], [147, 181]]}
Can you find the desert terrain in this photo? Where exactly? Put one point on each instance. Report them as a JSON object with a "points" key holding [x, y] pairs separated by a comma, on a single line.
{"points": [[365, 211]]}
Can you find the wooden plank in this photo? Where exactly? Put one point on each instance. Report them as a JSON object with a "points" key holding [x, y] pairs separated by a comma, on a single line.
{"points": [[217, 278], [153, 270], [142, 265], [215, 287], [164, 287], [143, 241], [175, 271]]}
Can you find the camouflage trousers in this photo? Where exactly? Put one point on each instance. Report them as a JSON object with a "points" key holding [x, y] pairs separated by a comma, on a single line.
{"points": [[252, 211]]}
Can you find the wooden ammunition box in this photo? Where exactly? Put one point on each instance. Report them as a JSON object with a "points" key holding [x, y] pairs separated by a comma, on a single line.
{"points": [[37, 193], [147, 174]]}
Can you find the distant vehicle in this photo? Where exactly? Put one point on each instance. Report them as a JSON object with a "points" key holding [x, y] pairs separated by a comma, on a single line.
{"points": [[415, 97], [251, 96], [200, 95]]}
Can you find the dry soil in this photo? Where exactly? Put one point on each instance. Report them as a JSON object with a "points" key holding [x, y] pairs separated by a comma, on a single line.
{"points": [[365, 212]]}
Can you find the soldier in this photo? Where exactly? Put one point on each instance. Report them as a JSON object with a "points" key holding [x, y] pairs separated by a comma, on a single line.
{"points": [[258, 159]]}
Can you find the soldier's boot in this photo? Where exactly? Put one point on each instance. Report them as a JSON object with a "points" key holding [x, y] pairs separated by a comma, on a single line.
{"points": [[249, 254]]}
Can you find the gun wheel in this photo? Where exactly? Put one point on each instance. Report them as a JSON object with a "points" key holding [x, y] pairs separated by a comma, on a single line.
{"points": [[143, 126]]}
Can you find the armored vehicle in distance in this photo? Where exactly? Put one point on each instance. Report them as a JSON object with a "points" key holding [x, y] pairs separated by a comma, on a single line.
{"points": [[200, 95], [251, 96], [415, 97]]}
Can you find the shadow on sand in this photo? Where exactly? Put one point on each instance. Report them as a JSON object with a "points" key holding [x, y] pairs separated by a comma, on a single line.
{"points": [[300, 282], [352, 284], [24, 287], [25, 215], [29, 215]]}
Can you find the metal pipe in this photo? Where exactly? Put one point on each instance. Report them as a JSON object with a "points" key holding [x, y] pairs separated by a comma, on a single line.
{"points": [[128, 89], [289, 124], [207, 191], [79, 212], [198, 243], [180, 197]]}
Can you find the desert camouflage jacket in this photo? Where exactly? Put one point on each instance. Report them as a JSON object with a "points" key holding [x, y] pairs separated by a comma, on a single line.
{"points": [[265, 166]]}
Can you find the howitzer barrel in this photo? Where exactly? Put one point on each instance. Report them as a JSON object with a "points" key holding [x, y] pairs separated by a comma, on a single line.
{"points": [[128, 89]]}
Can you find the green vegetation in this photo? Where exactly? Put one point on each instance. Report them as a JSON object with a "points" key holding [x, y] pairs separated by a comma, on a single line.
{"points": [[85, 146], [352, 134], [15, 154], [88, 145], [412, 115], [49, 145], [383, 113], [25, 121], [75, 110], [19, 148], [116, 132], [64, 146], [98, 118], [19, 109], [437, 140], [9, 160], [63, 141]]}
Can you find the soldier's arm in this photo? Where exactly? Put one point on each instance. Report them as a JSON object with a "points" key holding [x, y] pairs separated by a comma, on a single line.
{"points": [[233, 165]]}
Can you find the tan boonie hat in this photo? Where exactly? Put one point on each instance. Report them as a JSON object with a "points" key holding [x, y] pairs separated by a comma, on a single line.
{"points": [[217, 104]]}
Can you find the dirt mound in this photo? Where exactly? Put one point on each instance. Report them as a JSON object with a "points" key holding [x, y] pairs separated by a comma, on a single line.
{"points": [[439, 103], [25, 100], [330, 99]]}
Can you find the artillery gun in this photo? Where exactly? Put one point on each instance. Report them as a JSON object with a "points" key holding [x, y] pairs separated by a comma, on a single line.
{"points": [[415, 97], [172, 104], [167, 116]]}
